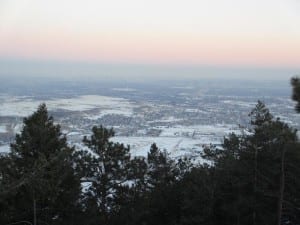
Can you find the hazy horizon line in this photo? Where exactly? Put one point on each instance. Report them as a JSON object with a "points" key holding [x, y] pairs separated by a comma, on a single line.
{"points": [[139, 71]]}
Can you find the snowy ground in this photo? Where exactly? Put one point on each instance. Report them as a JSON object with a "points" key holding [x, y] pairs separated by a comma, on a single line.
{"points": [[4, 149], [23, 106], [175, 146], [178, 140], [169, 134], [2, 128]]}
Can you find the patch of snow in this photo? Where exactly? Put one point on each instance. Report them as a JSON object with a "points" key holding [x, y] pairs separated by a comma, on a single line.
{"points": [[124, 89], [85, 186], [175, 146], [3, 129], [240, 103], [88, 102], [218, 130], [4, 149], [73, 133], [124, 112], [183, 87], [191, 110], [168, 119], [21, 107]]}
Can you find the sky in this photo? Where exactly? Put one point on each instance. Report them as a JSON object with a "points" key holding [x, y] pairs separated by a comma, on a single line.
{"points": [[214, 33]]}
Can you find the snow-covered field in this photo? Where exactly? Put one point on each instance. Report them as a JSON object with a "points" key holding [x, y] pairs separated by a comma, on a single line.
{"points": [[4, 149], [179, 117], [2, 128], [24, 106], [17, 106], [218, 130], [175, 146], [180, 141], [118, 111], [177, 140]]}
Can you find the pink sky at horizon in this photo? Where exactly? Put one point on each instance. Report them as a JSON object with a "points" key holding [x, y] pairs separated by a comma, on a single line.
{"points": [[266, 34]]}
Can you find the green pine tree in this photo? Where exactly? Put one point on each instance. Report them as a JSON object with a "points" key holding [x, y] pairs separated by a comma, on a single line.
{"points": [[38, 175], [107, 173], [295, 82]]}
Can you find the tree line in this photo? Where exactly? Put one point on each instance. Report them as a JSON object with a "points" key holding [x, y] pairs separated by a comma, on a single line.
{"points": [[253, 178]]}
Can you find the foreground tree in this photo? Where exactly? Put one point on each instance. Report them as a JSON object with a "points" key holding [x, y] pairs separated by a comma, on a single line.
{"points": [[254, 169], [107, 173], [273, 141], [295, 82], [38, 179]]}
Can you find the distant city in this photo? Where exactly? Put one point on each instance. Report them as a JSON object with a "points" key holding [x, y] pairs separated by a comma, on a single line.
{"points": [[180, 116]]}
